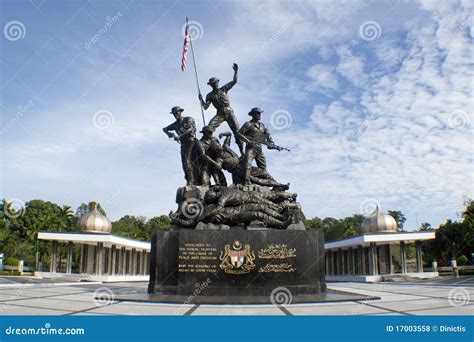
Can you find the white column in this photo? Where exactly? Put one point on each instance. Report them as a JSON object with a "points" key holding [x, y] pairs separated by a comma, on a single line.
{"points": [[69, 258], [54, 251], [373, 259], [419, 257], [403, 258], [113, 257], [99, 257]]}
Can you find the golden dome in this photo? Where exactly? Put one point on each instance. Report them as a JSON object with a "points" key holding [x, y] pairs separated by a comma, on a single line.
{"points": [[94, 222], [379, 222]]}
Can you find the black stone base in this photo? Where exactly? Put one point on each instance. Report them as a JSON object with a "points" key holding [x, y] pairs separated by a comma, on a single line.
{"points": [[330, 296], [237, 266]]}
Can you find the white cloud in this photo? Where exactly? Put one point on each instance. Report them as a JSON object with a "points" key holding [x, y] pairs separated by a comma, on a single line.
{"points": [[351, 66], [323, 78]]}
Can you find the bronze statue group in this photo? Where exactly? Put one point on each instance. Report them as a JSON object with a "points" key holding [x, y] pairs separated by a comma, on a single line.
{"points": [[249, 201]]}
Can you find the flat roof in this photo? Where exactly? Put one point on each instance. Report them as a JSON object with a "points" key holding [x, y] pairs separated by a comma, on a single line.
{"points": [[366, 239], [107, 239]]}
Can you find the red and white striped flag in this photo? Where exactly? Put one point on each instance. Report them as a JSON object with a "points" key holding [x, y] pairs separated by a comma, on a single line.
{"points": [[185, 49]]}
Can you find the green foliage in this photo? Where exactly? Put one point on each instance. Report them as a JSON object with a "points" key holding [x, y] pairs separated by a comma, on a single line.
{"points": [[453, 239], [399, 218], [137, 227], [132, 227], [12, 261], [425, 226], [335, 229], [85, 208], [462, 260], [10, 273], [159, 223]]}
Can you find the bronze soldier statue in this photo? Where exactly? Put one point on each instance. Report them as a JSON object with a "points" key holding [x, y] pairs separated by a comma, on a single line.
{"points": [[236, 165], [253, 131], [220, 99], [185, 129], [211, 167], [242, 214], [232, 196]]}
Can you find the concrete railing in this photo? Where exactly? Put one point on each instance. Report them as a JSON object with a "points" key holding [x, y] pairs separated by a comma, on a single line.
{"points": [[450, 270], [16, 268]]}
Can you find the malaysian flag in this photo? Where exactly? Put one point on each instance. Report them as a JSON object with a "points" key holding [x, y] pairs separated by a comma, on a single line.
{"points": [[185, 49]]}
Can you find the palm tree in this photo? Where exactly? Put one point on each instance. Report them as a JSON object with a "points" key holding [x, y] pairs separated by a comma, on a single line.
{"points": [[67, 215], [85, 208]]}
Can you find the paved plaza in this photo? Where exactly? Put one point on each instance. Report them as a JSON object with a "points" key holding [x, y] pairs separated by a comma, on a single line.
{"points": [[439, 296]]}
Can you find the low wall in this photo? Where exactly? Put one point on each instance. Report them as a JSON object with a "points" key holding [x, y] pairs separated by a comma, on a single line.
{"points": [[91, 277]]}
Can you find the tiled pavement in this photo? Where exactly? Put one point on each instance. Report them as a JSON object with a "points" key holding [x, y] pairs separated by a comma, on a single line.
{"points": [[440, 296]]}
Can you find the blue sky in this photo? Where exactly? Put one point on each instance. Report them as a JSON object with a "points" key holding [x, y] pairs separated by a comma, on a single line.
{"points": [[374, 98]]}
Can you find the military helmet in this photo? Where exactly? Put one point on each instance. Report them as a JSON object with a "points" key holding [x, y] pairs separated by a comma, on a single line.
{"points": [[176, 109], [213, 80], [255, 110], [208, 129]]}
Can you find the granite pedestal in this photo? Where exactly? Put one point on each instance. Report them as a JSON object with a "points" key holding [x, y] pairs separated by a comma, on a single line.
{"points": [[237, 266]]}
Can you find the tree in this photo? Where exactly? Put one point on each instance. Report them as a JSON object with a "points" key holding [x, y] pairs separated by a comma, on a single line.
{"points": [[425, 226], [130, 226], [86, 208], [68, 217], [37, 216], [158, 223], [335, 229], [399, 218], [453, 239], [137, 227]]}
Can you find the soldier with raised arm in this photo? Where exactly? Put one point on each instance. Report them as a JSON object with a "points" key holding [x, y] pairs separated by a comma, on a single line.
{"points": [[220, 100], [185, 129]]}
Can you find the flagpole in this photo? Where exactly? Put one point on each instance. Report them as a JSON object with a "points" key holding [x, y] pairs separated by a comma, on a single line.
{"points": [[195, 72]]}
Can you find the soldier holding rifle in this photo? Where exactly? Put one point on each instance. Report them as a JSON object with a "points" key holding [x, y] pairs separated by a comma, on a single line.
{"points": [[255, 134], [185, 129]]}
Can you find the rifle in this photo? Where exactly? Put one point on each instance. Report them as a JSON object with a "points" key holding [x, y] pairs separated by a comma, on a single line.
{"points": [[171, 136], [260, 138]]}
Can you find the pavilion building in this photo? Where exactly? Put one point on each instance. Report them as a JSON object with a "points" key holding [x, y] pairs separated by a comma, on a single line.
{"points": [[103, 256], [379, 254]]}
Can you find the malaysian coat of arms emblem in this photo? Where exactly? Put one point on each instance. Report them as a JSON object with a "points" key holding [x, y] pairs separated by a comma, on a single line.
{"points": [[237, 260]]}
